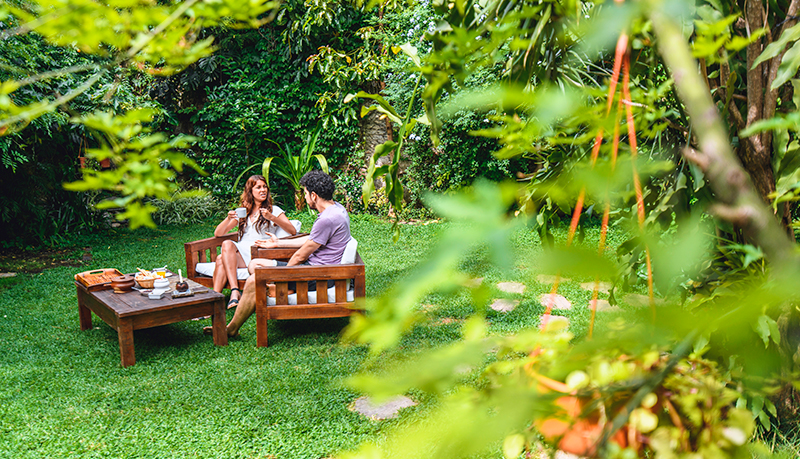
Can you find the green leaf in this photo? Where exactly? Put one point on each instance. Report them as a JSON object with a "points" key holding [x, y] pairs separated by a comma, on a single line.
{"points": [[767, 329], [411, 51], [323, 163], [790, 35], [788, 67]]}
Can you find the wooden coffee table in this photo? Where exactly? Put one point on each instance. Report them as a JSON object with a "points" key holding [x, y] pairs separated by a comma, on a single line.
{"points": [[126, 312]]}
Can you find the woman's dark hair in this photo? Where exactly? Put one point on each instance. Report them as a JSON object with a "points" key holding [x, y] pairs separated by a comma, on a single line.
{"points": [[248, 202], [318, 182]]}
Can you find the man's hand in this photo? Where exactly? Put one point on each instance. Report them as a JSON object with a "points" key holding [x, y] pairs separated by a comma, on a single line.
{"points": [[270, 243]]}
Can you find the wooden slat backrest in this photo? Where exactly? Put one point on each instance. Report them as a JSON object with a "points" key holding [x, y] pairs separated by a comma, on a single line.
{"points": [[301, 275], [203, 251]]}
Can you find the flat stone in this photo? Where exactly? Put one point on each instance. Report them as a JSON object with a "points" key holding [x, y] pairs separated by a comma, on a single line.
{"points": [[555, 301], [504, 305], [605, 306], [472, 283], [549, 279], [640, 301], [4, 275], [386, 410], [511, 287], [603, 287]]}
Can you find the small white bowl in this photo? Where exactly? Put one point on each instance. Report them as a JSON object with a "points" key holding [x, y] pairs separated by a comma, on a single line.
{"points": [[160, 284]]}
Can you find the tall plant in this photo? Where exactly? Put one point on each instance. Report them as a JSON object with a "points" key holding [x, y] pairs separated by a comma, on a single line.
{"points": [[643, 389], [291, 167]]}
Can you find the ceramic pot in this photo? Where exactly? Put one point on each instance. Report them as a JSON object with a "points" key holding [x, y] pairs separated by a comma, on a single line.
{"points": [[122, 284]]}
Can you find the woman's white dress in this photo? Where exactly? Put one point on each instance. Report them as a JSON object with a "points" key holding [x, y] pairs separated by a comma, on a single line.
{"points": [[250, 235]]}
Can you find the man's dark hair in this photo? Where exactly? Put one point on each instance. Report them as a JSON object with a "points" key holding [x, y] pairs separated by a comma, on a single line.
{"points": [[318, 182]]}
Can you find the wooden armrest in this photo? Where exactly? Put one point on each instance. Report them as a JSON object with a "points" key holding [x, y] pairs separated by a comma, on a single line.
{"points": [[278, 253]]}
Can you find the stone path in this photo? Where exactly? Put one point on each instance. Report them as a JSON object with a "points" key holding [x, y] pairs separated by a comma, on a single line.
{"points": [[605, 306], [472, 283], [504, 305], [549, 279], [555, 301], [604, 287], [511, 287], [641, 301], [387, 410]]}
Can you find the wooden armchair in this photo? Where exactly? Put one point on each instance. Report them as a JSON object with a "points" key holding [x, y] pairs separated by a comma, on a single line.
{"points": [[205, 251], [341, 300]]}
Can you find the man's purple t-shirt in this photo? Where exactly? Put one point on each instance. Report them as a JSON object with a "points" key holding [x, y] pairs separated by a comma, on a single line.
{"points": [[332, 232]]}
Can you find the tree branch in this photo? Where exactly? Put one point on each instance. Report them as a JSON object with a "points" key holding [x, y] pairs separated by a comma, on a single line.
{"points": [[725, 175]]}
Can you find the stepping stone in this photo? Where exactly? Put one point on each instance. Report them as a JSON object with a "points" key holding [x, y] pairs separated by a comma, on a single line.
{"points": [[549, 279], [640, 301], [605, 306], [555, 301], [472, 283], [504, 305], [387, 410], [4, 275], [603, 287], [511, 287]]}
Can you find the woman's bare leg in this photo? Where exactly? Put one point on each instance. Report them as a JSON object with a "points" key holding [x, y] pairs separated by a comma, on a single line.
{"points": [[232, 260], [247, 305], [220, 276]]}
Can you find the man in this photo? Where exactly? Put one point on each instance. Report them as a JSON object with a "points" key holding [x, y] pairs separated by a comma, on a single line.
{"points": [[323, 246]]}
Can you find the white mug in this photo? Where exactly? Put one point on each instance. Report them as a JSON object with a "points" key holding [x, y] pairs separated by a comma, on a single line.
{"points": [[241, 212]]}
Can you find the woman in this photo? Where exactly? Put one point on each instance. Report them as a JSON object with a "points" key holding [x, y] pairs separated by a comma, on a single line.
{"points": [[262, 218]]}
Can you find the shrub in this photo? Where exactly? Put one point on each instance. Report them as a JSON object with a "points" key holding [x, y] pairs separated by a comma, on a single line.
{"points": [[186, 207]]}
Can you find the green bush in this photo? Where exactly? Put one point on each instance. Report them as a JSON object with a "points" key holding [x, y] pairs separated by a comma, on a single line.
{"points": [[187, 207]]}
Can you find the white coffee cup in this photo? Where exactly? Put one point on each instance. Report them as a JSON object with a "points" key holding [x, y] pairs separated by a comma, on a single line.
{"points": [[241, 212]]}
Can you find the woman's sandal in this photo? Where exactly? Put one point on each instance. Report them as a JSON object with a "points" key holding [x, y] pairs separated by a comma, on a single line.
{"points": [[210, 331], [234, 301]]}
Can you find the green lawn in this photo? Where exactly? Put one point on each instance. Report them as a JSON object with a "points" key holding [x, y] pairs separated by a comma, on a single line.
{"points": [[64, 394]]}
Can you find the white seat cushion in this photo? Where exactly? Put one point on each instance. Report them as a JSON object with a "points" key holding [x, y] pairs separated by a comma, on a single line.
{"points": [[349, 255], [312, 297], [208, 270]]}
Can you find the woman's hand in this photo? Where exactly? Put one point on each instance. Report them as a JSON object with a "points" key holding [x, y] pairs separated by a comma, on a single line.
{"points": [[232, 215], [267, 214]]}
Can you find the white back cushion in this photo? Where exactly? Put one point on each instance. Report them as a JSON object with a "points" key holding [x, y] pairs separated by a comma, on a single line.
{"points": [[312, 297], [349, 255], [280, 232]]}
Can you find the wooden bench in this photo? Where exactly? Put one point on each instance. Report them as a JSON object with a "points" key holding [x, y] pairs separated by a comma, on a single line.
{"points": [[303, 304]]}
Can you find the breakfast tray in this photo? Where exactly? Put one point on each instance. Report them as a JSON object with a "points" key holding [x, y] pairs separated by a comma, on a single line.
{"points": [[98, 279]]}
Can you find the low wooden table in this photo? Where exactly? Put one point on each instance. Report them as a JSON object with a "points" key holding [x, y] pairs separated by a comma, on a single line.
{"points": [[126, 312]]}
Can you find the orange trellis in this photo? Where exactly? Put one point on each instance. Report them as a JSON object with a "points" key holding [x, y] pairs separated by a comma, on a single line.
{"points": [[621, 64]]}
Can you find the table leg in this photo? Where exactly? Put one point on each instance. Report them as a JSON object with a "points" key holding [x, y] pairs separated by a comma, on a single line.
{"points": [[84, 313], [218, 328], [126, 350]]}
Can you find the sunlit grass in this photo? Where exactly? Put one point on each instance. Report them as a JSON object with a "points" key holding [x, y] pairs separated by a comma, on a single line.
{"points": [[64, 394]]}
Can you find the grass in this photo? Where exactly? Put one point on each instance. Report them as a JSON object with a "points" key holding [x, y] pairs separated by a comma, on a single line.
{"points": [[64, 394]]}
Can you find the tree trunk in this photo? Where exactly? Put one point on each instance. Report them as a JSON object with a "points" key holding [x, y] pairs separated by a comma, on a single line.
{"points": [[299, 200], [375, 128], [755, 153]]}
